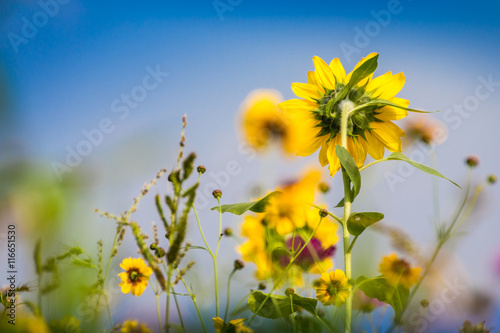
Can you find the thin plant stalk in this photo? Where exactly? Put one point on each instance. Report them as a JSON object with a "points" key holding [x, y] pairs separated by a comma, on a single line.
{"points": [[347, 213], [193, 298], [228, 294]]}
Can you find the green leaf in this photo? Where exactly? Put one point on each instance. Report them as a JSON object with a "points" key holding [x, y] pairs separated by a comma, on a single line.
{"points": [[367, 68], [255, 206], [358, 222], [400, 157], [352, 170], [277, 306], [379, 288], [338, 97], [384, 102]]}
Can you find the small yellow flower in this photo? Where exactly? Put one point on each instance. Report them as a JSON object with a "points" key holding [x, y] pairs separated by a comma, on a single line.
{"points": [[398, 271], [132, 326], [263, 122], [136, 275], [370, 128], [332, 288], [235, 325]]}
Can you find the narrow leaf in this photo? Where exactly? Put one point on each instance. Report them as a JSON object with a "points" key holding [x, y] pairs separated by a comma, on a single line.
{"points": [[400, 157], [358, 222], [351, 168], [255, 206], [384, 102]]}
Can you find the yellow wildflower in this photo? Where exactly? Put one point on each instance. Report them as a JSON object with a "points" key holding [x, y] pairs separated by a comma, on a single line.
{"points": [[332, 288], [398, 271], [136, 275]]}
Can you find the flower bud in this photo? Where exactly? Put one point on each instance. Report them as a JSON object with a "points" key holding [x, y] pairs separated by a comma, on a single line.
{"points": [[238, 265], [228, 232], [424, 303], [323, 213], [262, 286], [472, 161], [201, 169], [323, 187], [217, 194], [492, 179], [289, 291]]}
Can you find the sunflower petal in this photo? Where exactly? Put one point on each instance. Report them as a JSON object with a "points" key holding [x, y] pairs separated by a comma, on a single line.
{"points": [[389, 134], [324, 74], [338, 70], [305, 90]]}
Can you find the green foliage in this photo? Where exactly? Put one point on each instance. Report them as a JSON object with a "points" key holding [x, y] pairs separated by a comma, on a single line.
{"points": [[276, 306], [379, 288], [400, 157], [366, 69], [358, 222], [258, 206], [352, 171]]}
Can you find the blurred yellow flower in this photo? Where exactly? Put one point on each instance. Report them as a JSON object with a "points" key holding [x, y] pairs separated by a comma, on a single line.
{"points": [[136, 275], [332, 288], [287, 222], [235, 325], [289, 210], [132, 326], [398, 271], [263, 122], [370, 128]]}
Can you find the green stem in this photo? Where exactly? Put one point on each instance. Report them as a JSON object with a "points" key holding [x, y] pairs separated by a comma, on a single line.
{"points": [[158, 310], [228, 294], [347, 213], [338, 219], [372, 163], [214, 257], [178, 310], [193, 298]]}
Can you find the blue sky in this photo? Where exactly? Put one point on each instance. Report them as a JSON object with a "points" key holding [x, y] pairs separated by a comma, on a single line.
{"points": [[65, 79]]}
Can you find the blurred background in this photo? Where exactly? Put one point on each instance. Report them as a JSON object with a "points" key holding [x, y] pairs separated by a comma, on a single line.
{"points": [[92, 94]]}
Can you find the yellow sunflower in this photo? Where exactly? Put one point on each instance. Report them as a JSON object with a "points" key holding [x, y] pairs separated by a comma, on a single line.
{"points": [[371, 105], [332, 288], [398, 271], [263, 122], [136, 275]]}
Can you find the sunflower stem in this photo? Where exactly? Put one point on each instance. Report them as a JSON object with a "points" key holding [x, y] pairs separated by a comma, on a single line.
{"points": [[346, 107]]}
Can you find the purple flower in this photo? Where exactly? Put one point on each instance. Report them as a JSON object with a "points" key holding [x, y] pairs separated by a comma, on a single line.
{"points": [[314, 251]]}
